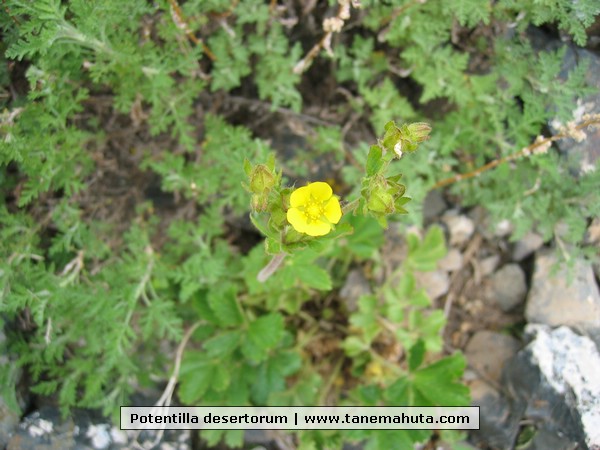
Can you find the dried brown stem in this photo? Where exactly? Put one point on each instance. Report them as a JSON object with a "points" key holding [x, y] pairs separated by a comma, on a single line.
{"points": [[330, 26], [538, 147], [182, 24]]}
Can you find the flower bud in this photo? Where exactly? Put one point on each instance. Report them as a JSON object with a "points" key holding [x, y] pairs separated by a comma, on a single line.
{"points": [[381, 201], [259, 202], [418, 132], [262, 179]]}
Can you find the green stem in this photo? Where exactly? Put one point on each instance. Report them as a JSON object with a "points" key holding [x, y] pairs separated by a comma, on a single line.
{"points": [[350, 206]]}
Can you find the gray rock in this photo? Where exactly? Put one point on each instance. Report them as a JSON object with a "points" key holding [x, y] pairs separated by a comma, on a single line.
{"points": [[435, 283], [489, 264], [356, 285], [9, 420], [452, 261], [569, 365], [582, 156], [503, 228], [87, 430], [508, 288], [488, 351], [526, 246], [433, 205], [461, 228], [44, 430], [545, 439], [553, 301], [498, 427]]}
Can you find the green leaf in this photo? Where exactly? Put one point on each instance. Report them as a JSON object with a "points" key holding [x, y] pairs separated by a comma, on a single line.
{"points": [[302, 266], [367, 236], [389, 439], [221, 377], [434, 385], [272, 374], [195, 377], [366, 317], [314, 276], [223, 302], [223, 344], [234, 438], [437, 382], [263, 335], [424, 255], [415, 355], [374, 160], [354, 346]]}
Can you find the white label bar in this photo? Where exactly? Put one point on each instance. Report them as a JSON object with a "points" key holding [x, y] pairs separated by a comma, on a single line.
{"points": [[299, 418]]}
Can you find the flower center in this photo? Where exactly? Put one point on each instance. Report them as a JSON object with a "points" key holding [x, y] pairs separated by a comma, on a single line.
{"points": [[313, 210]]}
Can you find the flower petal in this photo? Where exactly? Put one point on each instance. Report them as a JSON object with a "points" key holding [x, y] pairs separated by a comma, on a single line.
{"points": [[332, 210], [297, 219], [320, 191], [300, 197], [318, 228]]}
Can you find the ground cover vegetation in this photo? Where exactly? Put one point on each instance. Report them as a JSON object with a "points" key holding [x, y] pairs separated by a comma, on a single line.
{"points": [[158, 227]]}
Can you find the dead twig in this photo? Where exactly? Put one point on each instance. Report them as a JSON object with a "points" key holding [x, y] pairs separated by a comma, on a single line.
{"points": [[330, 25], [539, 146], [182, 24], [165, 399]]}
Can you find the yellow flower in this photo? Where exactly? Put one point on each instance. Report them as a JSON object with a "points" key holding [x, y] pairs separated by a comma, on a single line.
{"points": [[314, 209]]}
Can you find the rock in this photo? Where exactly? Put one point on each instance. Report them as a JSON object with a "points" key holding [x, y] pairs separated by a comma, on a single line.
{"points": [[461, 228], [592, 235], [452, 261], [43, 430], [488, 351], [545, 439], [356, 285], [508, 288], [582, 156], [553, 301], [433, 205], [87, 430], [526, 246], [435, 283], [498, 427], [489, 264], [556, 376], [503, 228], [9, 420]]}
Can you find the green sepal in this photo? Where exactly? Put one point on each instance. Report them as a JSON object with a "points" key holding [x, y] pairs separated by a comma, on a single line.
{"points": [[374, 160]]}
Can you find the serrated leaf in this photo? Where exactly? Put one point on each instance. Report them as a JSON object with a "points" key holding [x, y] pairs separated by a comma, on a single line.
{"points": [[223, 344], [263, 335], [367, 236], [272, 374], [221, 377], [314, 276], [223, 302], [424, 255], [234, 438], [437, 382], [195, 377]]}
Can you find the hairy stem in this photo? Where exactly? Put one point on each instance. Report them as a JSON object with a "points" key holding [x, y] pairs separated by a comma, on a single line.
{"points": [[270, 268]]}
